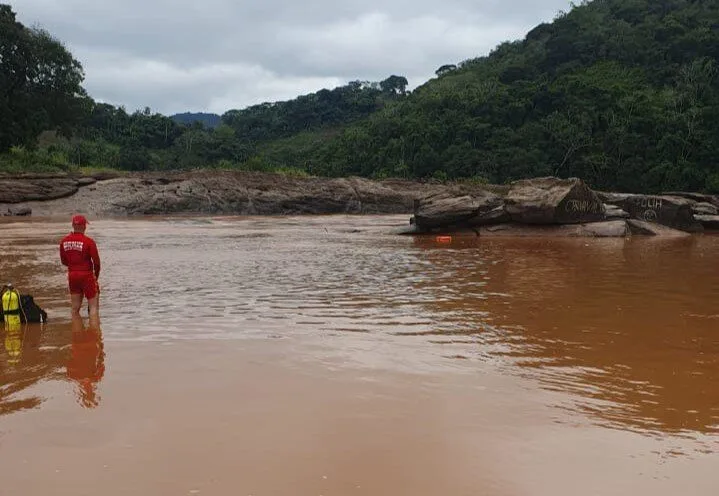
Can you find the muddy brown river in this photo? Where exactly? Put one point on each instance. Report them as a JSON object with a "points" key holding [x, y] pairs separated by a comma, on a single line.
{"points": [[326, 356]]}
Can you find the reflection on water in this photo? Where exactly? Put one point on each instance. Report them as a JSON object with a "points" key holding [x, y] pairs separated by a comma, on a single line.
{"points": [[86, 364], [20, 348], [23, 365], [626, 330], [36, 353], [628, 327], [13, 342]]}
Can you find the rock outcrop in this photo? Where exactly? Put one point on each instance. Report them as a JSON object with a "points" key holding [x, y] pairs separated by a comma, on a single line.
{"points": [[533, 207], [460, 212], [260, 194], [549, 200], [30, 188], [533, 201], [704, 208], [17, 211], [566, 207], [670, 211], [710, 222], [216, 193]]}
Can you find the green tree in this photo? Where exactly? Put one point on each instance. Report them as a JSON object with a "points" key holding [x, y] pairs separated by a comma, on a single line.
{"points": [[40, 84], [444, 69], [394, 85]]}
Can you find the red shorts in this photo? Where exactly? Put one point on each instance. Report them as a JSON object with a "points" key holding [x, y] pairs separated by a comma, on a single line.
{"points": [[83, 283]]}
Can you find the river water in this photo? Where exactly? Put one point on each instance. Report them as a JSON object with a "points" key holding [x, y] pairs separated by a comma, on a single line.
{"points": [[327, 356]]}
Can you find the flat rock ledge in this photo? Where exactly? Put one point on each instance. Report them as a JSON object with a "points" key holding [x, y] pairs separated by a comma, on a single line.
{"points": [[208, 192]]}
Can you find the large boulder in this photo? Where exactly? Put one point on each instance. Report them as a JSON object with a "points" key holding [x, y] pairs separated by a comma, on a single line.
{"points": [[445, 210], [549, 200], [710, 222], [17, 190], [669, 211]]}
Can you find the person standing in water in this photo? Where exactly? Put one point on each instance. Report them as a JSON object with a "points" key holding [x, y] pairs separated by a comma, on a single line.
{"points": [[79, 254]]}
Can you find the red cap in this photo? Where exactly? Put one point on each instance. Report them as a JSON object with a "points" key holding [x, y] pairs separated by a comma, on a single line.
{"points": [[79, 220]]}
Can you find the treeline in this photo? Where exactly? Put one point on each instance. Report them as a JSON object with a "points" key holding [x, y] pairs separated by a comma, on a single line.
{"points": [[47, 121], [623, 93], [145, 140], [40, 84], [109, 136]]}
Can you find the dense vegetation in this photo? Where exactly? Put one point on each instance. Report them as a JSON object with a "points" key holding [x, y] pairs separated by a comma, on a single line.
{"points": [[623, 93], [620, 92], [39, 83]]}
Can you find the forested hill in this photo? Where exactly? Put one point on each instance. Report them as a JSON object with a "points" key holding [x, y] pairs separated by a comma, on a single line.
{"points": [[143, 140], [623, 93], [207, 119], [48, 122], [319, 110]]}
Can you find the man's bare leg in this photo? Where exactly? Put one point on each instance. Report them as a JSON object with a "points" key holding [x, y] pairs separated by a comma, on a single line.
{"points": [[76, 302], [94, 311], [77, 324]]}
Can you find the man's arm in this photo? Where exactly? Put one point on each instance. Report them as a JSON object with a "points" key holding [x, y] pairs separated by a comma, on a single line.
{"points": [[63, 258], [95, 258]]}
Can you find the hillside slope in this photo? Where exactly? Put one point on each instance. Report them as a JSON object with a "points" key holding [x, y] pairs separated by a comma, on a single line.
{"points": [[622, 93]]}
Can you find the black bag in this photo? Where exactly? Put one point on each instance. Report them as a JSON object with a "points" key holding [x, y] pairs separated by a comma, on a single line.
{"points": [[31, 311]]}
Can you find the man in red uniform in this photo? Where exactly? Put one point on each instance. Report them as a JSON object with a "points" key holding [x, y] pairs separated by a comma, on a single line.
{"points": [[79, 253]]}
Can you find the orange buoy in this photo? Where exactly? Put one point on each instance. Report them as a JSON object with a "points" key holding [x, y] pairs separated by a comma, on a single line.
{"points": [[444, 239]]}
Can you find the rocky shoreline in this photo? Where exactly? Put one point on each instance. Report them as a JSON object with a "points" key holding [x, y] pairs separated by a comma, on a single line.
{"points": [[566, 207], [211, 192], [534, 207], [146, 194]]}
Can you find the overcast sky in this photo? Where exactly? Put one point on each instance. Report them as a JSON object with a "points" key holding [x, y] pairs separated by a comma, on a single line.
{"points": [[216, 55]]}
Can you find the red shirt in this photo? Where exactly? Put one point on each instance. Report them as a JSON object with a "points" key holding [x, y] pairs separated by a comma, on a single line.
{"points": [[79, 253]]}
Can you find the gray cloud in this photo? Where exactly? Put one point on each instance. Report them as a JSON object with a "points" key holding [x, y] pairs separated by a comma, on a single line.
{"points": [[214, 55]]}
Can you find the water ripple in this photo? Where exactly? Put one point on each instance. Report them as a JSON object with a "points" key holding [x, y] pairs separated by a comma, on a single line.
{"points": [[625, 329]]}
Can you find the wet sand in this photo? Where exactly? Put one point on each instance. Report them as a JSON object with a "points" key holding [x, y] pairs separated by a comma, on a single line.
{"points": [[321, 356]]}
